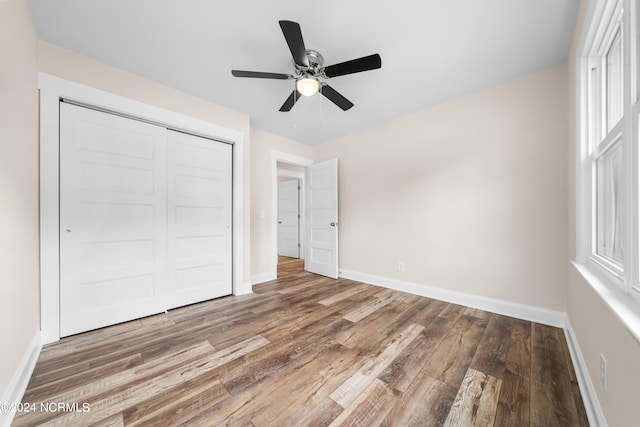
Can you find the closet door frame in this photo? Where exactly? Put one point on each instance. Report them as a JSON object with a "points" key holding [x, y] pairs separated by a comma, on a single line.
{"points": [[52, 91]]}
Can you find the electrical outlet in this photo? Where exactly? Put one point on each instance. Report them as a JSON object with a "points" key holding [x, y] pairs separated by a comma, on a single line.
{"points": [[263, 260], [401, 266], [603, 371]]}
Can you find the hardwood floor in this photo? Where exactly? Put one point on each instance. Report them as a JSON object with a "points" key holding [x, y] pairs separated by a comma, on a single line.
{"points": [[308, 350]]}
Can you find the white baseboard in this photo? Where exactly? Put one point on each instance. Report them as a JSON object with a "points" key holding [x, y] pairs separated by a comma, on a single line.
{"points": [[506, 308], [244, 289], [18, 384], [264, 277], [589, 396]]}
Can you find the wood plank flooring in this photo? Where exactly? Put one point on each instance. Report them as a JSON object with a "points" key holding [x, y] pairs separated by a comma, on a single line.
{"points": [[309, 350]]}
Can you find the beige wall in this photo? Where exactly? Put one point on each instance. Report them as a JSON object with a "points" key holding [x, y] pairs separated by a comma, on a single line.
{"points": [[470, 194], [262, 145], [69, 65], [19, 266], [597, 328], [81, 69], [474, 195]]}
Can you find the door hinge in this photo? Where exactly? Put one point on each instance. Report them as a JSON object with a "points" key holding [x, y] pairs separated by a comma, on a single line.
{"points": [[298, 216], [299, 245]]}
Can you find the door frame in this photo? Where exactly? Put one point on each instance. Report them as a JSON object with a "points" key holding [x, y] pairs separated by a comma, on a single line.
{"points": [[52, 90], [301, 220], [279, 156]]}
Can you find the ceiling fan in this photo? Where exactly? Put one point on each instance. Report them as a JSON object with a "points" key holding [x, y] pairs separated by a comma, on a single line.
{"points": [[309, 69]]}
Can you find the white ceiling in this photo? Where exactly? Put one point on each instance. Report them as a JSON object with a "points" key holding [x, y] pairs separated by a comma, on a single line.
{"points": [[432, 50]]}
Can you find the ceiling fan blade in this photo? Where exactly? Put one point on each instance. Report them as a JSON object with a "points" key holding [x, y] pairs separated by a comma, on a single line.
{"points": [[332, 95], [261, 75], [365, 63], [293, 36], [290, 102]]}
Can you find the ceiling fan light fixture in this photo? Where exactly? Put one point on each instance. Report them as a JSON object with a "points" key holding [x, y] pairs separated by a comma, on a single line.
{"points": [[307, 86], [309, 69]]}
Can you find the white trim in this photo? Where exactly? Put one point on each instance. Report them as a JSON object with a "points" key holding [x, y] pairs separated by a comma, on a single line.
{"points": [[264, 277], [582, 174], [52, 89], [20, 380], [243, 289], [595, 28], [506, 308], [588, 392], [279, 156], [49, 218], [109, 101]]}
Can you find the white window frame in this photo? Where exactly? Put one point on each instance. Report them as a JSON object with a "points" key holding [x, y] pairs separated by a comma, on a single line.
{"points": [[617, 283]]}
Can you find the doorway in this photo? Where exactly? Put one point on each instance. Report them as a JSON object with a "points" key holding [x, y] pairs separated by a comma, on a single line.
{"points": [[285, 166], [320, 222], [290, 210], [289, 217]]}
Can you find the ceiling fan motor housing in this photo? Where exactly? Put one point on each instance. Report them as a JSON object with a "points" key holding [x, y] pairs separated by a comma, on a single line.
{"points": [[315, 63]]}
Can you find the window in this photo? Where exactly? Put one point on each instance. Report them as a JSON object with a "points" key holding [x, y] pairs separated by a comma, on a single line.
{"points": [[606, 120], [608, 234], [608, 218]]}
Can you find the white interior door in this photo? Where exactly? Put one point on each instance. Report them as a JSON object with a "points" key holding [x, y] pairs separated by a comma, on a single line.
{"points": [[113, 239], [199, 218], [322, 222], [289, 218]]}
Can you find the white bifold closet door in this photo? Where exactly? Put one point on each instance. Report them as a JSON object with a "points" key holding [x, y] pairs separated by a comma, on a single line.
{"points": [[145, 219]]}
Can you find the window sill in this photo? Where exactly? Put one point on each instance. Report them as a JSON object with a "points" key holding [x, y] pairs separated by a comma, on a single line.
{"points": [[623, 306]]}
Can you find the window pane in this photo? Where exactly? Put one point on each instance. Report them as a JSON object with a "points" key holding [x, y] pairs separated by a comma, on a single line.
{"points": [[594, 108], [635, 68], [609, 230], [614, 81]]}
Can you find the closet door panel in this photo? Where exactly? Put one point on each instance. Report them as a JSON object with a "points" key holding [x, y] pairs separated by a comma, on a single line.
{"points": [[199, 218], [112, 219]]}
